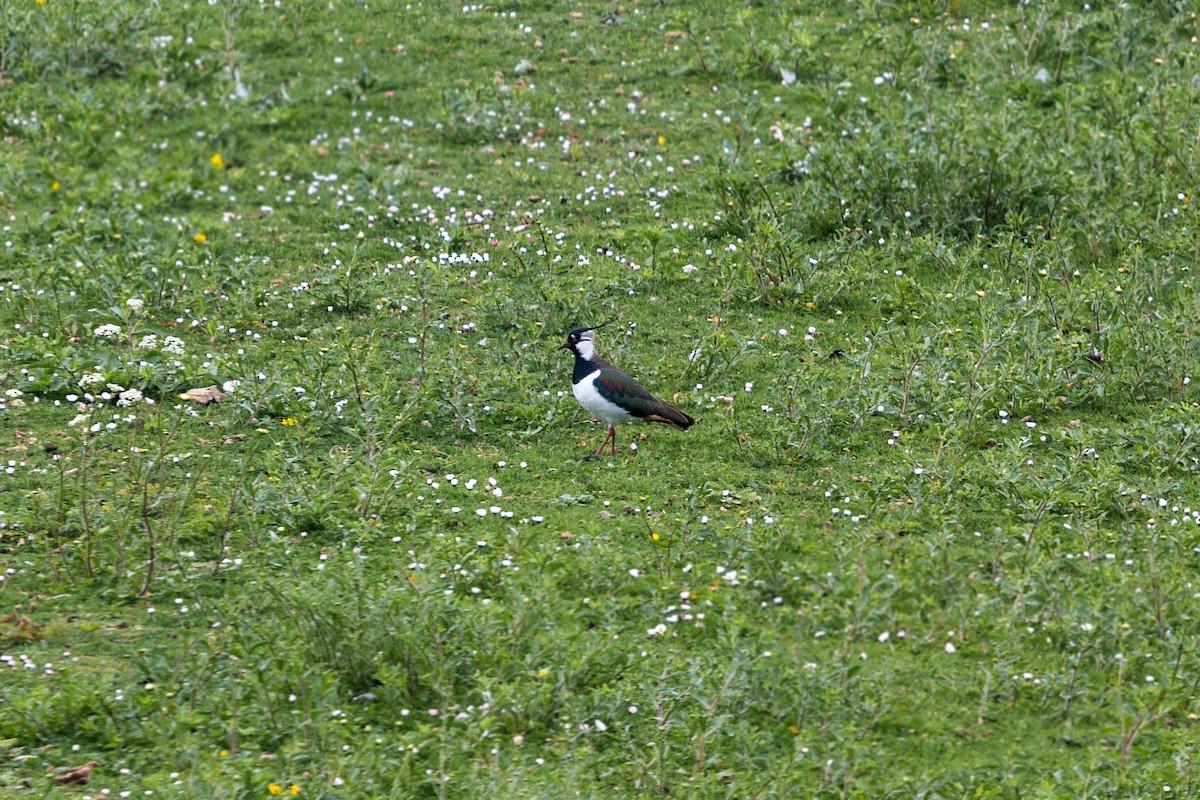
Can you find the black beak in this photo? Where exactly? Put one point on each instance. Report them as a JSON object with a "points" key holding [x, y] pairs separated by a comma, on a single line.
{"points": [[563, 346]]}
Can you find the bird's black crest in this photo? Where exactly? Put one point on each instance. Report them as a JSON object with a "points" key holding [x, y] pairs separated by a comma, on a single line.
{"points": [[586, 328]]}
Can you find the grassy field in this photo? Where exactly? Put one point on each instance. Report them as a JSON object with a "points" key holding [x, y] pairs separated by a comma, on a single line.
{"points": [[925, 272]]}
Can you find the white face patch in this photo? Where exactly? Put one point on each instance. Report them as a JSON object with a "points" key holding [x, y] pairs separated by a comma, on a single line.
{"points": [[587, 345]]}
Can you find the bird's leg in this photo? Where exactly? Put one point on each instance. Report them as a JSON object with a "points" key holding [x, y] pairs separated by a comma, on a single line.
{"points": [[611, 433]]}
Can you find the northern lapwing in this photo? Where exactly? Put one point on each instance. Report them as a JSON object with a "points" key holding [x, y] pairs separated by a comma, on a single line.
{"points": [[611, 395]]}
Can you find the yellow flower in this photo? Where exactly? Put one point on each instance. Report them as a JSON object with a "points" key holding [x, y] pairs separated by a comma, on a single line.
{"points": [[294, 789], [217, 161], [661, 140], [274, 788], [289, 421], [654, 536], [223, 753], [200, 238], [53, 186]]}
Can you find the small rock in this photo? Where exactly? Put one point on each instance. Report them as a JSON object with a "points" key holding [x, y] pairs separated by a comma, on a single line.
{"points": [[80, 774], [204, 396]]}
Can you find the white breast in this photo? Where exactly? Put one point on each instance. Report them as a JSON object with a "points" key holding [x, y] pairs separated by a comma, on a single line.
{"points": [[585, 392]]}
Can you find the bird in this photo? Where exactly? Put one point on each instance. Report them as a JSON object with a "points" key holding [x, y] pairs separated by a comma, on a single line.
{"points": [[609, 394]]}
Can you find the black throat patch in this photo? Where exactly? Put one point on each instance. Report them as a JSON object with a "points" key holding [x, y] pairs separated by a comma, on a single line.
{"points": [[583, 368]]}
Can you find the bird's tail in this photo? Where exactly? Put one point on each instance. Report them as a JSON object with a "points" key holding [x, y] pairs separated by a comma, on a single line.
{"points": [[665, 412]]}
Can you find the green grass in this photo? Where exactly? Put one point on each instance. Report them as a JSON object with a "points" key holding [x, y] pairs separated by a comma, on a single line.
{"points": [[923, 271]]}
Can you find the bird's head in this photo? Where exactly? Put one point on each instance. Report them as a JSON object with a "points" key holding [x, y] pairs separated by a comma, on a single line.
{"points": [[582, 342]]}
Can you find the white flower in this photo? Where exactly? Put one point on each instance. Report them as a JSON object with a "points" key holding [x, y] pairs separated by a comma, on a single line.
{"points": [[950, 648], [108, 331], [91, 378], [129, 397], [173, 345], [229, 387], [135, 303], [115, 387], [78, 419], [600, 726], [148, 342], [14, 393]]}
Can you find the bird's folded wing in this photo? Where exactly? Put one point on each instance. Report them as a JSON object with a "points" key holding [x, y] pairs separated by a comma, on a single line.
{"points": [[626, 392]]}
